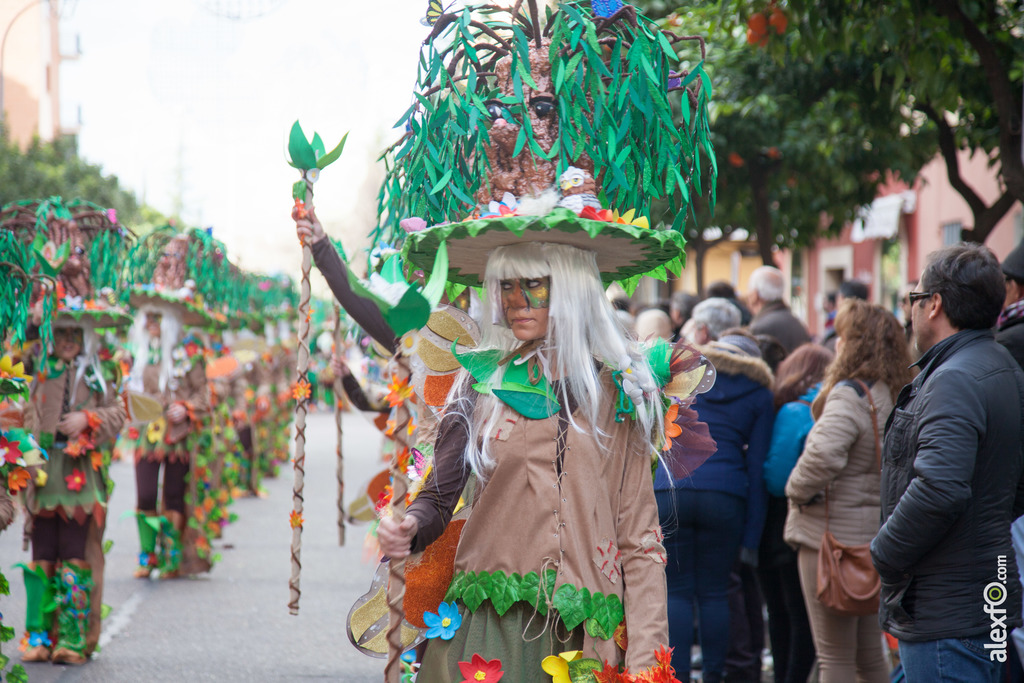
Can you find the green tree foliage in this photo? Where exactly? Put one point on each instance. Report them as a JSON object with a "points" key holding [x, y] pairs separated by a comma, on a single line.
{"points": [[801, 142], [953, 69], [47, 169]]}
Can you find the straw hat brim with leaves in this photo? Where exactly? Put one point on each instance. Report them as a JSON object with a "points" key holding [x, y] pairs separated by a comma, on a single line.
{"points": [[92, 318], [624, 251], [191, 316]]}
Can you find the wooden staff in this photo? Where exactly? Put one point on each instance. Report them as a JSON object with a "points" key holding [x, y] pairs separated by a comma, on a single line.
{"points": [[396, 569], [338, 389], [299, 462]]}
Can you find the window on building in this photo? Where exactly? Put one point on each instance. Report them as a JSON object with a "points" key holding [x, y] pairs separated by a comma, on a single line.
{"points": [[951, 233]]}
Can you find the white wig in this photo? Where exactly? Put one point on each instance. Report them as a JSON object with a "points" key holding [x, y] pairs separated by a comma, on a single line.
{"points": [[583, 333], [138, 341]]}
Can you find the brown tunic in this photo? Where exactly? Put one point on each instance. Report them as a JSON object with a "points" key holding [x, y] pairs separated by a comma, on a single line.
{"points": [[190, 390], [593, 517]]}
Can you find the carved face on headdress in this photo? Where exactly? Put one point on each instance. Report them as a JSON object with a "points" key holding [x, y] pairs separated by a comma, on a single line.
{"points": [[77, 269], [170, 270], [523, 174]]}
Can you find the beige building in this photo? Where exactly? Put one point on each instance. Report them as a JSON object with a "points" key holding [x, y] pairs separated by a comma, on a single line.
{"points": [[30, 58]]}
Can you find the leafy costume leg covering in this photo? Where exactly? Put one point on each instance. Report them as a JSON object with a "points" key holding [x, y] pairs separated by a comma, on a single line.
{"points": [[39, 607], [171, 525], [149, 527], [75, 591]]}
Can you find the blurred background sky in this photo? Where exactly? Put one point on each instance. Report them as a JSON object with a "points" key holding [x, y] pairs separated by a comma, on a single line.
{"points": [[189, 103]]}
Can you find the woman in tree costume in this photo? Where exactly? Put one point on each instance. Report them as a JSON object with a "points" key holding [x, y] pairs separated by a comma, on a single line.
{"points": [[73, 412], [530, 121], [169, 367]]}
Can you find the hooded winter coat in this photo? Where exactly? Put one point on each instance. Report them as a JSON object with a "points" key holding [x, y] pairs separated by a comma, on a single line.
{"points": [[739, 413]]}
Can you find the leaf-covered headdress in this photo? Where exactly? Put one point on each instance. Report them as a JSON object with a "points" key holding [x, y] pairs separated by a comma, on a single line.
{"points": [[512, 102]]}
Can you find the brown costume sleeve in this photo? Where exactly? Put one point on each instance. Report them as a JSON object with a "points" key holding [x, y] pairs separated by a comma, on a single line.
{"points": [[643, 559], [358, 396], [363, 311], [434, 505], [112, 414]]}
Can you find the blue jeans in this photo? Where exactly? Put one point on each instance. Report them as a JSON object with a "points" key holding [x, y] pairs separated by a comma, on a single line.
{"points": [[703, 531], [950, 659]]}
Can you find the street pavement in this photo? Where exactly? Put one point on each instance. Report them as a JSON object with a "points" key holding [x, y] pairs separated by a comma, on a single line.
{"points": [[232, 624]]}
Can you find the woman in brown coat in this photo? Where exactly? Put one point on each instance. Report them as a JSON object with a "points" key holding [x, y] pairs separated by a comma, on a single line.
{"points": [[842, 455]]}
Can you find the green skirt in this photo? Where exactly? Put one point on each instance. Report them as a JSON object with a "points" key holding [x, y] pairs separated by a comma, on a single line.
{"points": [[520, 639]]}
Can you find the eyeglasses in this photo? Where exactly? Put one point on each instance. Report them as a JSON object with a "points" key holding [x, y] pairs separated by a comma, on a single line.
{"points": [[914, 297]]}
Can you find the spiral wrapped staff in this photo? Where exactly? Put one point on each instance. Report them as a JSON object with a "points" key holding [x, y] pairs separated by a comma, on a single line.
{"points": [[401, 416], [337, 424], [299, 461]]}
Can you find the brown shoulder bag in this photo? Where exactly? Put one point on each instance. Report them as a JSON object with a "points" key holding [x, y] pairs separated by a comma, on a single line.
{"points": [[847, 581]]}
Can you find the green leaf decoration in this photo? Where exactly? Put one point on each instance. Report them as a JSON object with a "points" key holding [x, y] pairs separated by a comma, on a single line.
{"points": [[410, 313], [606, 613], [479, 364], [571, 604], [528, 401], [582, 670], [530, 589], [475, 590], [107, 545], [332, 156], [434, 289], [300, 151], [504, 591], [455, 589]]}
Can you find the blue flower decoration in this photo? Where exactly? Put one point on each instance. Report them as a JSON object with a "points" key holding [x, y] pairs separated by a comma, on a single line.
{"points": [[445, 623], [37, 638]]}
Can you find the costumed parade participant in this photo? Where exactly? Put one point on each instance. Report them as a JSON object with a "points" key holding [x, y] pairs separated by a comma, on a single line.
{"points": [[74, 410], [171, 369], [555, 414]]}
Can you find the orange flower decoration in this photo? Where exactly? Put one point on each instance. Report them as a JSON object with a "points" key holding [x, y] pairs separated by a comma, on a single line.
{"points": [[672, 430], [399, 391], [392, 426], [97, 460], [295, 519], [301, 390], [93, 419], [75, 480], [17, 479]]}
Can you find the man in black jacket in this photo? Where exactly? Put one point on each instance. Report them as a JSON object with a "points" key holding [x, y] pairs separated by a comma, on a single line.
{"points": [[950, 475]]}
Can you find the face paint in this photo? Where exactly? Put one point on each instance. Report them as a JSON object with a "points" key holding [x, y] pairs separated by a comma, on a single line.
{"points": [[526, 293]]}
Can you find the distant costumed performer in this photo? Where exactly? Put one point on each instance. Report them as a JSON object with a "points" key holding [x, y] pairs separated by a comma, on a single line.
{"points": [[523, 131], [168, 370], [74, 408]]}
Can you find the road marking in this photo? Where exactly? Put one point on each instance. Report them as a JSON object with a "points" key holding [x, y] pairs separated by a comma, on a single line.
{"points": [[120, 619]]}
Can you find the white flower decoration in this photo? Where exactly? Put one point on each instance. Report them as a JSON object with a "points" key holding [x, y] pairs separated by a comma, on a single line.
{"points": [[312, 174]]}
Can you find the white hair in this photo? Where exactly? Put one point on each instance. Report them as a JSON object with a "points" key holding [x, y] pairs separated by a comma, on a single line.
{"points": [[768, 283], [583, 332], [716, 315], [138, 342]]}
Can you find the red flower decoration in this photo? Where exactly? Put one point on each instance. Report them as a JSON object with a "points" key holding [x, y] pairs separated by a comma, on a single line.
{"points": [[10, 451], [75, 480], [479, 670]]}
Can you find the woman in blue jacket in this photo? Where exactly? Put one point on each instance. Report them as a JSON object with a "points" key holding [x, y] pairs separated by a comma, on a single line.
{"points": [[797, 383]]}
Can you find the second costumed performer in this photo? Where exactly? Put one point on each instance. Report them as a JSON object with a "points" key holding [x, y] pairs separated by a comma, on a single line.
{"points": [[174, 373]]}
